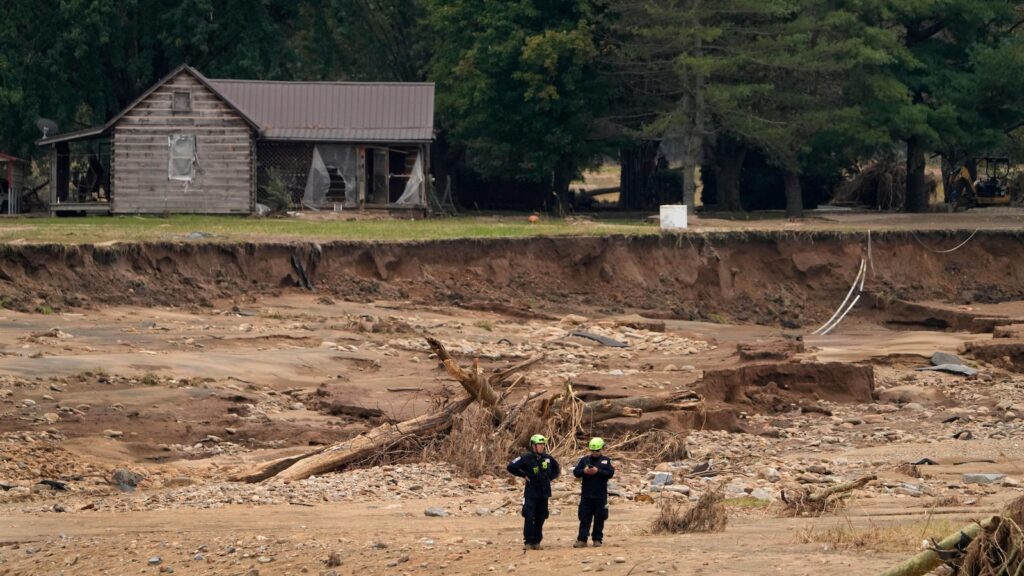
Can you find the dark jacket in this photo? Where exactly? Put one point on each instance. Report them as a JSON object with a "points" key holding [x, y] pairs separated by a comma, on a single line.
{"points": [[539, 470], [595, 485]]}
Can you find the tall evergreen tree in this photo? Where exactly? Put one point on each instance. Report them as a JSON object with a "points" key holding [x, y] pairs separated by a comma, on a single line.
{"points": [[517, 84]]}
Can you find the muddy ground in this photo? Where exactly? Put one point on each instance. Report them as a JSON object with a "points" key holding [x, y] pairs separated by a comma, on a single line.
{"points": [[174, 366]]}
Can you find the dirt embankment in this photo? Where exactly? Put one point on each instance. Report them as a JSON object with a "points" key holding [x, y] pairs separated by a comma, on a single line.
{"points": [[768, 278]]}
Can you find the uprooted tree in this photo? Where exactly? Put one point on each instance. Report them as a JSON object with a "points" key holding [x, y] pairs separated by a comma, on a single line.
{"points": [[563, 415]]}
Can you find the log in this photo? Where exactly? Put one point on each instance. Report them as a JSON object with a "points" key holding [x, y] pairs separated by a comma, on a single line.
{"points": [[327, 458], [840, 488], [478, 387], [636, 406], [929, 560], [372, 442]]}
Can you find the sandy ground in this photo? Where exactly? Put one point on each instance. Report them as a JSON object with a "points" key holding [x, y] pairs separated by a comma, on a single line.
{"points": [[166, 378]]}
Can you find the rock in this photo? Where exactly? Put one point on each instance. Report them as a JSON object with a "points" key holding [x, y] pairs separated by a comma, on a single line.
{"points": [[940, 358], [28, 403], [678, 488], [614, 489], [909, 393], [178, 482], [334, 560], [977, 478], [574, 319], [819, 469], [482, 512], [913, 407], [769, 474], [113, 433], [951, 369], [296, 406], [661, 479], [762, 495], [253, 572], [620, 559], [155, 560], [51, 418], [435, 512], [909, 490], [1011, 482], [1004, 405], [125, 480], [166, 570], [735, 489]]}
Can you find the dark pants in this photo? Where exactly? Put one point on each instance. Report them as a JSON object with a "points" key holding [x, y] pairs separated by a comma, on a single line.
{"points": [[535, 512], [592, 510]]}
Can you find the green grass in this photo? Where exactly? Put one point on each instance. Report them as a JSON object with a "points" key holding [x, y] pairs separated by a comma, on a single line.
{"points": [[746, 502], [98, 229]]}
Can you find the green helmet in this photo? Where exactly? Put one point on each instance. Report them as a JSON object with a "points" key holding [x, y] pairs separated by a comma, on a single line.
{"points": [[596, 443], [538, 439]]}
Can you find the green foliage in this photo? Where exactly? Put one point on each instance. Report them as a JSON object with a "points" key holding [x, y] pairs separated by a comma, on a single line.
{"points": [[274, 193], [517, 83]]}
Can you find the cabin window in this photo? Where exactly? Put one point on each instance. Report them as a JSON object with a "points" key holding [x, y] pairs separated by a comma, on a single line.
{"points": [[182, 165], [182, 102]]}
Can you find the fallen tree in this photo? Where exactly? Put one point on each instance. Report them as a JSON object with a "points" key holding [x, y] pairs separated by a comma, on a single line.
{"points": [[992, 547], [806, 501], [564, 415]]}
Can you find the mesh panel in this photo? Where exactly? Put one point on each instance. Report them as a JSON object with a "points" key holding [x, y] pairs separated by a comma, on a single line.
{"points": [[289, 160]]}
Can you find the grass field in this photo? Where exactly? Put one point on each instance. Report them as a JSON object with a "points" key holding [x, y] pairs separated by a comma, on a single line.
{"points": [[243, 229]]}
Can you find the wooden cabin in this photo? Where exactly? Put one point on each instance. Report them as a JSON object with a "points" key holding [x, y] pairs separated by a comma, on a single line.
{"points": [[191, 144], [13, 173]]}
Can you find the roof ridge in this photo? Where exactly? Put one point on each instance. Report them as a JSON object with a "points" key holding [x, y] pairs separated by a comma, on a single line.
{"points": [[319, 82]]}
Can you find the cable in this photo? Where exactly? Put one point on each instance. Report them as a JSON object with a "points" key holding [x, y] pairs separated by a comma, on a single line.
{"points": [[953, 249], [858, 280]]}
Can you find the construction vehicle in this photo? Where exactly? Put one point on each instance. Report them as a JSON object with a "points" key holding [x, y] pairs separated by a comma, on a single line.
{"points": [[991, 188]]}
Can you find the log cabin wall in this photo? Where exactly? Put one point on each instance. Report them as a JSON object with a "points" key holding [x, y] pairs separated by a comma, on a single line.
{"points": [[224, 180]]}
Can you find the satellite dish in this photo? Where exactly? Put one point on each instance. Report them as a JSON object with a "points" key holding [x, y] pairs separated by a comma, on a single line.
{"points": [[48, 127]]}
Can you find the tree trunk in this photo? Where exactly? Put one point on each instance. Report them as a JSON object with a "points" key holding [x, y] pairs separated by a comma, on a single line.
{"points": [[917, 193], [728, 168], [635, 406], [925, 562], [638, 162], [326, 459], [794, 194]]}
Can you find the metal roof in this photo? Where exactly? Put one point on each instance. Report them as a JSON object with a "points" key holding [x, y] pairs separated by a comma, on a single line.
{"points": [[334, 111]]}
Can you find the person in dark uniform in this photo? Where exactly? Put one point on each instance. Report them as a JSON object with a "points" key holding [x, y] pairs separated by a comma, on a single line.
{"points": [[539, 469], [595, 469]]}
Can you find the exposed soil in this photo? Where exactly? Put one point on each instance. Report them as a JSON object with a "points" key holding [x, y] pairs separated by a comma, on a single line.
{"points": [[187, 363], [766, 278]]}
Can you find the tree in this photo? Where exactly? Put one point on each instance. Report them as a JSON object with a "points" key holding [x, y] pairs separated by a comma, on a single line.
{"points": [[770, 74], [517, 84], [82, 61], [370, 40], [959, 77]]}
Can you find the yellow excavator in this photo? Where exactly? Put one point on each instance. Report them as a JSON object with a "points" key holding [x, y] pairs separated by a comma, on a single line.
{"points": [[991, 188]]}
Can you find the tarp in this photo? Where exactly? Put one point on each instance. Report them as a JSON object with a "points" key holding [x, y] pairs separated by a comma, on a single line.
{"points": [[413, 193], [182, 165], [328, 161]]}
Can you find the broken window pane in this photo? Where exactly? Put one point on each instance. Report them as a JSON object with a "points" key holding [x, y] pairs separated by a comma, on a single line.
{"points": [[182, 165]]}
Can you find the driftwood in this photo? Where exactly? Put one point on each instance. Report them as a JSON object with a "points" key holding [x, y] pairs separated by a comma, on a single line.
{"points": [[818, 502], [930, 559], [328, 458], [366, 445], [636, 406], [566, 412]]}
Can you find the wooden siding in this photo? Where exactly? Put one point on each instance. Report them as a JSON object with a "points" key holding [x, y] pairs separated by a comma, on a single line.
{"points": [[224, 181]]}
